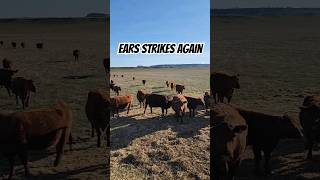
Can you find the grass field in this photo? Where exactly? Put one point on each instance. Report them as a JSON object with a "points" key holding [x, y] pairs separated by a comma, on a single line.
{"points": [[58, 77], [153, 147], [278, 62]]}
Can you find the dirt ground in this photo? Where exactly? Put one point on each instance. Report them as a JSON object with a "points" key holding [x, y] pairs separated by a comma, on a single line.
{"points": [[58, 77], [278, 62], [153, 147]]}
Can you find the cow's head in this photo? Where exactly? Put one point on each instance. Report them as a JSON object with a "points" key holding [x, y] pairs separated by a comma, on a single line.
{"points": [[235, 81]]}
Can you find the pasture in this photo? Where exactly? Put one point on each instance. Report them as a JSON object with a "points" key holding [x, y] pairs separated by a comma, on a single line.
{"points": [[278, 62], [150, 146], [57, 76]]}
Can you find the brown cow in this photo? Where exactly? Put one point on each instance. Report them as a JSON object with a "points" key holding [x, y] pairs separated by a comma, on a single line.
{"points": [[222, 85], [264, 133], [172, 85], [6, 64], [141, 96], [309, 119], [98, 114], [35, 130], [5, 78], [179, 88], [193, 103], [121, 102], [179, 105], [76, 54], [157, 100], [22, 88], [144, 82], [229, 140], [106, 65]]}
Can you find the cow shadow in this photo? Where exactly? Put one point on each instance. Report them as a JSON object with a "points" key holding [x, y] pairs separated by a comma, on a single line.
{"points": [[126, 129]]}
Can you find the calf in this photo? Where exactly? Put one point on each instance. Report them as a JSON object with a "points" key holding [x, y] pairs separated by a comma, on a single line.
{"points": [[141, 96], [157, 100], [121, 102], [144, 82], [179, 88], [193, 103], [22, 88], [309, 119], [264, 133], [179, 105], [98, 114], [5, 78], [229, 140], [35, 130], [76, 54]]}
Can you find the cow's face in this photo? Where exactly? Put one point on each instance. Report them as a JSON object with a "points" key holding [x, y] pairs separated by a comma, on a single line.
{"points": [[290, 127], [235, 81], [224, 144]]}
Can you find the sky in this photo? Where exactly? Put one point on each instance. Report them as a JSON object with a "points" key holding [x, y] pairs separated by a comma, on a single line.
{"points": [[154, 21], [51, 8], [264, 3]]}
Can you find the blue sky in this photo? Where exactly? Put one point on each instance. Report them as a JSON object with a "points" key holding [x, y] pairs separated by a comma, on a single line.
{"points": [[146, 21]]}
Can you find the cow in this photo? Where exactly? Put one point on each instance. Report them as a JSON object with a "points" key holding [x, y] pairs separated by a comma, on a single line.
{"points": [[229, 140], [133, 78], [157, 100], [6, 77], [1, 43], [167, 83], [193, 103], [141, 96], [106, 65], [117, 89], [121, 75], [98, 114], [179, 105], [76, 54], [172, 85], [14, 44], [6, 64], [39, 45], [179, 88], [114, 75], [144, 82], [22, 89], [121, 102], [22, 44], [264, 133], [222, 85], [309, 119], [35, 130]]}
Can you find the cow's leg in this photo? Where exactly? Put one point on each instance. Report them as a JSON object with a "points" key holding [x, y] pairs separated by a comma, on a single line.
{"points": [[309, 146], [140, 104], [92, 129], [151, 109], [59, 147], [129, 105], [17, 100], [162, 109], [108, 136], [23, 154], [229, 99], [99, 138], [145, 107], [8, 89], [166, 111], [11, 161], [23, 103], [70, 142], [267, 163], [257, 159]]}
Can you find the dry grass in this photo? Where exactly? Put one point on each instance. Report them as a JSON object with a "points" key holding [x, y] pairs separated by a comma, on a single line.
{"points": [[278, 62], [153, 147], [53, 70]]}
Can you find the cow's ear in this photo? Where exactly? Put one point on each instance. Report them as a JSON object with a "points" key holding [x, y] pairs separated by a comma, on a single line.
{"points": [[239, 129]]}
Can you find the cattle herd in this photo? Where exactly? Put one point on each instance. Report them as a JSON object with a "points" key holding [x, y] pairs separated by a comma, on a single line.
{"points": [[179, 102], [235, 128], [38, 129]]}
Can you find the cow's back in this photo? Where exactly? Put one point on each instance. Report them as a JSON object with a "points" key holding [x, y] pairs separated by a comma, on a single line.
{"points": [[156, 100]]}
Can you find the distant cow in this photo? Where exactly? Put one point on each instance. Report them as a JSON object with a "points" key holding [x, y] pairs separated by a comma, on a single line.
{"points": [[167, 83], [144, 82], [39, 45], [98, 114], [22, 89], [22, 45], [14, 44], [117, 89], [6, 77], [76, 54], [157, 100], [229, 140], [172, 86], [179, 105], [121, 75], [6, 63], [133, 78], [222, 85], [35, 130], [264, 133], [106, 65], [121, 102], [193, 103], [1, 43], [309, 119], [141, 96], [179, 88]]}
